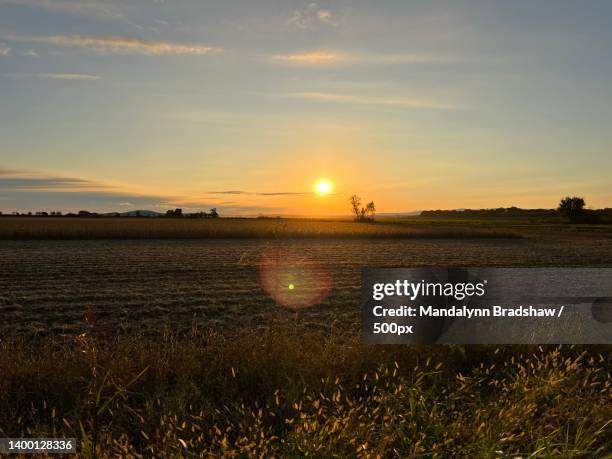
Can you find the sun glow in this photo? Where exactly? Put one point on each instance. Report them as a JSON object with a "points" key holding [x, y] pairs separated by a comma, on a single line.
{"points": [[323, 187]]}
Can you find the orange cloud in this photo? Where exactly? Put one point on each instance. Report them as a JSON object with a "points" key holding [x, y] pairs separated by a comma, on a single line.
{"points": [[314, 57], [330, 57], [119, 45]]}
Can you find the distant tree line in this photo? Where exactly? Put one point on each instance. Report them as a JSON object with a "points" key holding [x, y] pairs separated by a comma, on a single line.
{"points": [[491, 213], [178, 213], [570, 209], [35, 214], [173, 213]]}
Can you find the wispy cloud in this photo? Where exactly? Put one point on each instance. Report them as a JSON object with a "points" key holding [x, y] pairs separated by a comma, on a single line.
{"points": [[313, 57], [24, 190], [372, 100], [6, 172], [323, 57], [31, 53], [45, 183], [30, 189], [4, 50], [254, 193], [415, 58], [311, 16], [118, 45], [54, 76], [31, 180], [89, 7]]}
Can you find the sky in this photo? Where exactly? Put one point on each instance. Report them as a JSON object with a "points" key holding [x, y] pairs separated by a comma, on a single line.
{"points": [[112, 105]]}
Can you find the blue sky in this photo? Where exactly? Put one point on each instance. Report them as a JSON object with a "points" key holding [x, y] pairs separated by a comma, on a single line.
{"points": [[243, 105]]}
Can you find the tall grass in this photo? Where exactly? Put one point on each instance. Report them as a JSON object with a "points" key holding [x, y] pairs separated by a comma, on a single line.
{"points": [[160, 228], [284, 394]]}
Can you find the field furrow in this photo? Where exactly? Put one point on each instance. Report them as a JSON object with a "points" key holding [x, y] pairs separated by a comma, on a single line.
{"points": [[68, 286]]}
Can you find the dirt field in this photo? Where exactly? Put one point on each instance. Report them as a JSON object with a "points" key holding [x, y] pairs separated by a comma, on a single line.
{"points": [[278, 391], [66, 286]]}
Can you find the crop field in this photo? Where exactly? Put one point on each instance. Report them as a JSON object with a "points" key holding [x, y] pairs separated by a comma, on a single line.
{"points": [[63, 286], [164, 228], [144, 346]]}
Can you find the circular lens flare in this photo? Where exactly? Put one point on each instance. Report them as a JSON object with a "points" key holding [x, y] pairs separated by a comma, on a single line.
{"points": [[294, 280]]}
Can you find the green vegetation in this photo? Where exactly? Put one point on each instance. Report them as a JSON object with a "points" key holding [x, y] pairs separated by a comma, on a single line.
{"points": [[289, 394]]}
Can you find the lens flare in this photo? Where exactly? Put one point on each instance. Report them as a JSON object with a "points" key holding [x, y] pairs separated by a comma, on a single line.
{"points": [[294, 280]]}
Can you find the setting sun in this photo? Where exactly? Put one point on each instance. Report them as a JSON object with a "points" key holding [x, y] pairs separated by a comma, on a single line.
{"points": [[323, 187]]}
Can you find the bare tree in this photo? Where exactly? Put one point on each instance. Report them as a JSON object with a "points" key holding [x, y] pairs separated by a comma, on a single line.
{"points": [[356, 204], [370, 209], [362, 213]]}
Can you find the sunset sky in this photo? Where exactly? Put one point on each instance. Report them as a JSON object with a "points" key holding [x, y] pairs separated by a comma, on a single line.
{"points": [[244, 105]]}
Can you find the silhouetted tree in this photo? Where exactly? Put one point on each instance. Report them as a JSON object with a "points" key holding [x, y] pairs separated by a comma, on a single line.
{"points": [[370, 209], [572, 208], [174, 213], [355, 205], [362, 213], [213, 213]]}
